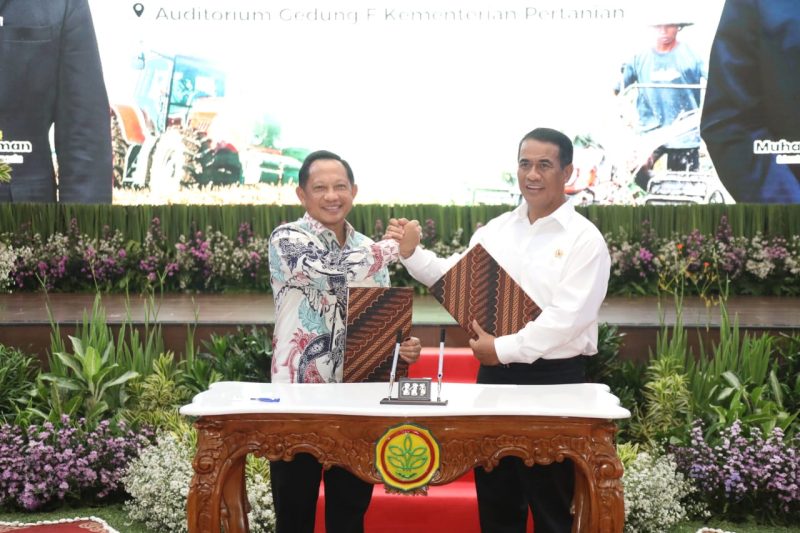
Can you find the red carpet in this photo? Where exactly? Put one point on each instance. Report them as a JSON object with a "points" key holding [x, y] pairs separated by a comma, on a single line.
{"points": [[446, 508], [77, 525]]}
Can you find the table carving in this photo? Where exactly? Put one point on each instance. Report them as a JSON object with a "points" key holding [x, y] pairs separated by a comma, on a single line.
{"points": [[217, 495]]}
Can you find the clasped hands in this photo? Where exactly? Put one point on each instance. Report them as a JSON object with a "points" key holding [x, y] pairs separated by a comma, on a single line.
{"points": [[407, 234]]}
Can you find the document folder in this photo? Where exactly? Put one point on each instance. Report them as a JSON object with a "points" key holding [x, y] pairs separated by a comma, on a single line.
{"points": [[478, 288], [374, 315]]}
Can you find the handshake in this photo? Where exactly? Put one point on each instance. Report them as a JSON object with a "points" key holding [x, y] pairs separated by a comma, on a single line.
{"points": [[406, 232]]}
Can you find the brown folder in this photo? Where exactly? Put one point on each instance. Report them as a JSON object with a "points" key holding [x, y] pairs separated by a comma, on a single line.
{"points": [[374, 315], [478, 288]]}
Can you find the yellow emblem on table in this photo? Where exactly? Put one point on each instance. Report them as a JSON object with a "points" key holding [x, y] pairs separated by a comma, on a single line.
{"points": [[407, 457]]}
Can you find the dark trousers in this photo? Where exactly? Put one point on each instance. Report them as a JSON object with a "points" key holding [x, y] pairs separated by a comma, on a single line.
{"points": [[295, 488], [507, 492]]}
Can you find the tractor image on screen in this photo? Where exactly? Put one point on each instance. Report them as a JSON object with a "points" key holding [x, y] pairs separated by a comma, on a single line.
{"points": [[181, 130]]}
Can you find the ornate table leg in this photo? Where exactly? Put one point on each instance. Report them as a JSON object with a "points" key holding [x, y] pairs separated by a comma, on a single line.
{"points": [[598, 505], [581, 501], [607, 473], [234, 498], [203, 507]]}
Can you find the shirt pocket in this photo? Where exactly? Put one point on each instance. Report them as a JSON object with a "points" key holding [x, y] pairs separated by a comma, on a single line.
{"points": [[29, 57], [543, 272], [26, 34]]}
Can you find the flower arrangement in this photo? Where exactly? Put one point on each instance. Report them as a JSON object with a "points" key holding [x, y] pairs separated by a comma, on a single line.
{"points": [[71, 261], [705, 265], [654, 494], [215, 262], [745, 473], [158, 482], [68, 461], [208, 260]]}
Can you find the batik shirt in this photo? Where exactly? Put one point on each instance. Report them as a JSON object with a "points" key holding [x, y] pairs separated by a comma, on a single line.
{"points": [[310, 274]]}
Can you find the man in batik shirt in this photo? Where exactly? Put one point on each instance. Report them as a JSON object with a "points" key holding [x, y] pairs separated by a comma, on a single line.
{"points": [[312, 262]]}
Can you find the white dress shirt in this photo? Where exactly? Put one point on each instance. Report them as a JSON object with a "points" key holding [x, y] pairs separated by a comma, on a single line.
{"points": [[561, 261]]}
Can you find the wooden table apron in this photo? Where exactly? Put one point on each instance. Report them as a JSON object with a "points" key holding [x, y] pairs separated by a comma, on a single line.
{"points": [[217, 491]]}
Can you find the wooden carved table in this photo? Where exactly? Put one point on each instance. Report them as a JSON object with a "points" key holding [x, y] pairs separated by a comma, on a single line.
{"points": [[340, 424]]}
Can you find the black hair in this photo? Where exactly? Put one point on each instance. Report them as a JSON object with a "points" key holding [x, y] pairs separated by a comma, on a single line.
{"points": [[316, 156], [552, 136]]}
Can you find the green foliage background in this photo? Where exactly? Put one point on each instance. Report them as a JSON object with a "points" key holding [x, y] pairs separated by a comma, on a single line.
{"points": [[133, 221]]}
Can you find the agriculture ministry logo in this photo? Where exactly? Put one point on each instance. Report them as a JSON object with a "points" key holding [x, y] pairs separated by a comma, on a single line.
{"points": [[10, 150], [407, 457]]}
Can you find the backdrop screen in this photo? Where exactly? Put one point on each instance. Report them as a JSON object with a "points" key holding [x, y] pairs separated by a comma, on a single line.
{"points": [[219, 102]]}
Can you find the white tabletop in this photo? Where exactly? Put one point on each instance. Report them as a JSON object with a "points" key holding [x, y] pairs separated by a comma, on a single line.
{"points": [[588, 400]]}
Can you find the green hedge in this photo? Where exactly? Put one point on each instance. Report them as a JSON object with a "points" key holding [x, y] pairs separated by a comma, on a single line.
{"points": [[133, 221]]}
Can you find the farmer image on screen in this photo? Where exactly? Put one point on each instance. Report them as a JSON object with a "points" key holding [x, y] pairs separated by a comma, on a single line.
{"points": [[667, 75]]}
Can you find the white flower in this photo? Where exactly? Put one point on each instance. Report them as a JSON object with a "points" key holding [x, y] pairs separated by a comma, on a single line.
{"points": [[654, 490], [7, 257], [158, 482]]}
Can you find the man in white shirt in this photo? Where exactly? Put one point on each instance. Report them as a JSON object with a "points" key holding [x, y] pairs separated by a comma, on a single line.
{"points": [[561, 261]]}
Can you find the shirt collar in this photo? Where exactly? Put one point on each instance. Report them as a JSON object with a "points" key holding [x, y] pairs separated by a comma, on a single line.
{"points": [[562, 215], [317, 227]]}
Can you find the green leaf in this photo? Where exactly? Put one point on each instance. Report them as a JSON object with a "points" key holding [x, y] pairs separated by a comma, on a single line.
{"points": [[394, 461], [70, 362], [97, 410], [64, 383], [91, 363], [731, 378], [77, 345], [5, 172], [127, 376], [396, 450], [725, 394], [417, 462], [777, 389]]}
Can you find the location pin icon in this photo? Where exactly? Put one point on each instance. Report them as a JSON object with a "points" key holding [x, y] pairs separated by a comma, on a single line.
{"points": [[138, 8]]}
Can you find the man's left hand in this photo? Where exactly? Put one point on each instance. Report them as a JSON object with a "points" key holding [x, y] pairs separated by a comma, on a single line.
{"points": [[410, 349], [483, 346]]}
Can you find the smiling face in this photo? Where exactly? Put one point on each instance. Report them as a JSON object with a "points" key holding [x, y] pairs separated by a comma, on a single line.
{"points": [[541, 177], [328, 195]]}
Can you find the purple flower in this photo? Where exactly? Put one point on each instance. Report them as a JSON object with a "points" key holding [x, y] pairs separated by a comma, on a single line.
{"points": [[745, 472], [46, 463]]}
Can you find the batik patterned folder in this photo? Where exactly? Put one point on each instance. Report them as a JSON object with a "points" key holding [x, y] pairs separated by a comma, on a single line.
{"points": [[374, 315], [478, 288]]}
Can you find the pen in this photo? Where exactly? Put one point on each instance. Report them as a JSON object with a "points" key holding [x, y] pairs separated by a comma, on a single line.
{"points": [[441, 362], [267, 400], [394, 361]]}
